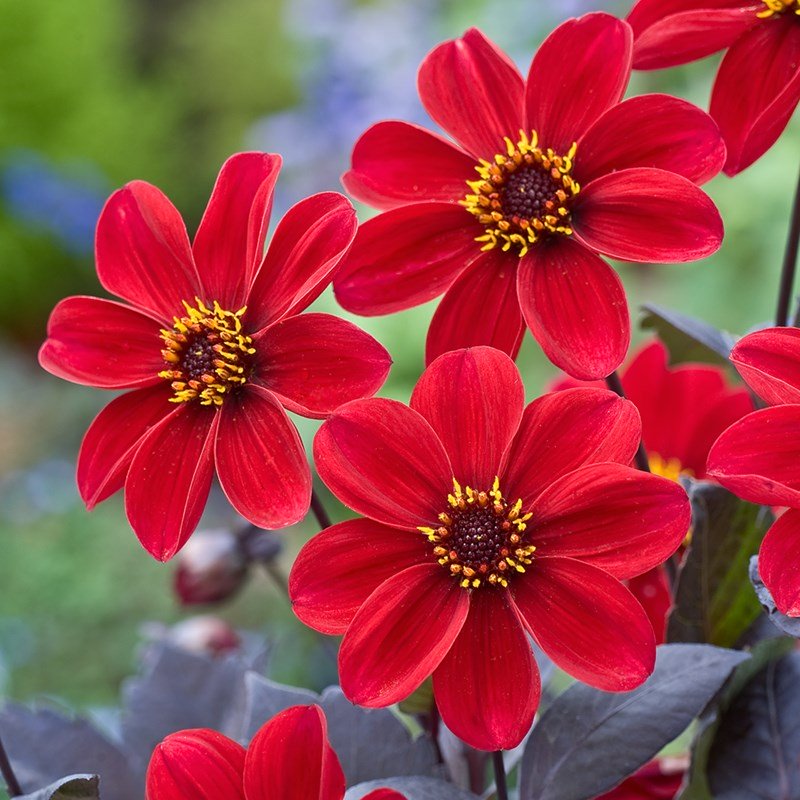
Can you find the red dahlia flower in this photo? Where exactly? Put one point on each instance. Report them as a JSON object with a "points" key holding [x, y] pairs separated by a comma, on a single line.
{"points": [[212, 343], [758, 84], [758, 457], [683, 409], [289, 758], [657, 780], [544, 175], [484, 522]]}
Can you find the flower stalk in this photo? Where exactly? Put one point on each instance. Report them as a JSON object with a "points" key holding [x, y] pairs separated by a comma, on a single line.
{"points": [[500, 775], [7, 771], [318, 508], [789, 265], [615, 384]]}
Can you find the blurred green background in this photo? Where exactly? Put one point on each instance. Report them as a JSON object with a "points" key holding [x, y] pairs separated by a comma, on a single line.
{"points": [[96, 93]]}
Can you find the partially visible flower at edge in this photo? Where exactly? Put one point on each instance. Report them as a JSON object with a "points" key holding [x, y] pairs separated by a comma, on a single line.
{"points": [[659, 779], [757, 87], [545, 175], [758, 457], [484, 522], [289, 758], [214, 346], [683, 410]]}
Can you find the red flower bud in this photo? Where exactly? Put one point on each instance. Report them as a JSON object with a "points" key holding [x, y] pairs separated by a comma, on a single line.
{"points": [[206, 635], [211, 568]]}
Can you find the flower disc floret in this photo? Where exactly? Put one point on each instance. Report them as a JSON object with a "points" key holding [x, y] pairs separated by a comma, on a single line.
{"points": [[522, 194], [481, 539], [207, 354]]}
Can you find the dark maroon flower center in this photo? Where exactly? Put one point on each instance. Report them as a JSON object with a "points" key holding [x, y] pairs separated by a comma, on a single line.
{"points": [[207, 354], [480, 539], [529, 193], [522, 195], [478, 535]]}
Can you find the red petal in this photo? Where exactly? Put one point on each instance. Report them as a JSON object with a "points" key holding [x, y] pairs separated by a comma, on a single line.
{"points": [[384, 794], [652, 591], [113, 438], [401, 634], [646, 384], [383, 460], [565, 430], [677, 32], [197, 764], [405, 257], [306, 248], [487, 687], [620, 519], [574, 304], [261, 462], [587, 622], [653, 130], [779, 562], [660, 779], [472, 89], [169, 479], [142, 251], [229, 244], [341, 567], [315, 363], [647, 214], [473, 399], [722, 411], [103, 344], [683, 409], [670, 401], [290, 758], [769, 361], [757, 90], [758, 457], [580, 71], [480, 308], [395, 163]]}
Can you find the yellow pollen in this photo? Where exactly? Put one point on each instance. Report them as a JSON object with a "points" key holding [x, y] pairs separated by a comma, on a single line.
{"points": [[774, 7], [522, 195], [482, 538], [206, 354], [667, 468]]}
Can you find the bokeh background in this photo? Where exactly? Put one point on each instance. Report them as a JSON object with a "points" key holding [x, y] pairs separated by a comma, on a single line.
{"points": [[96, 93]]}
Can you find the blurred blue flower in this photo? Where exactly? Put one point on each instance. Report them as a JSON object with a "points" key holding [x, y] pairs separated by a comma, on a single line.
{"points": [[65, 203], [46, 488], [361, 61]]}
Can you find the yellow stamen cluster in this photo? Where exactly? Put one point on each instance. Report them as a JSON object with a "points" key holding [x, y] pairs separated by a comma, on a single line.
{"points": [[505, 228], [667, 468], [206, 353], [672, 469], [481, 537], [774, 7]]}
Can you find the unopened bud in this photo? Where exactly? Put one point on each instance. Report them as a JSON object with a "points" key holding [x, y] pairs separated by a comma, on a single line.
{"points": [[205, 635], [211, 568]]}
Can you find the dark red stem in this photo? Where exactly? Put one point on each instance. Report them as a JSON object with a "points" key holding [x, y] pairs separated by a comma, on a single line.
{"points": [[615, 384]]}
